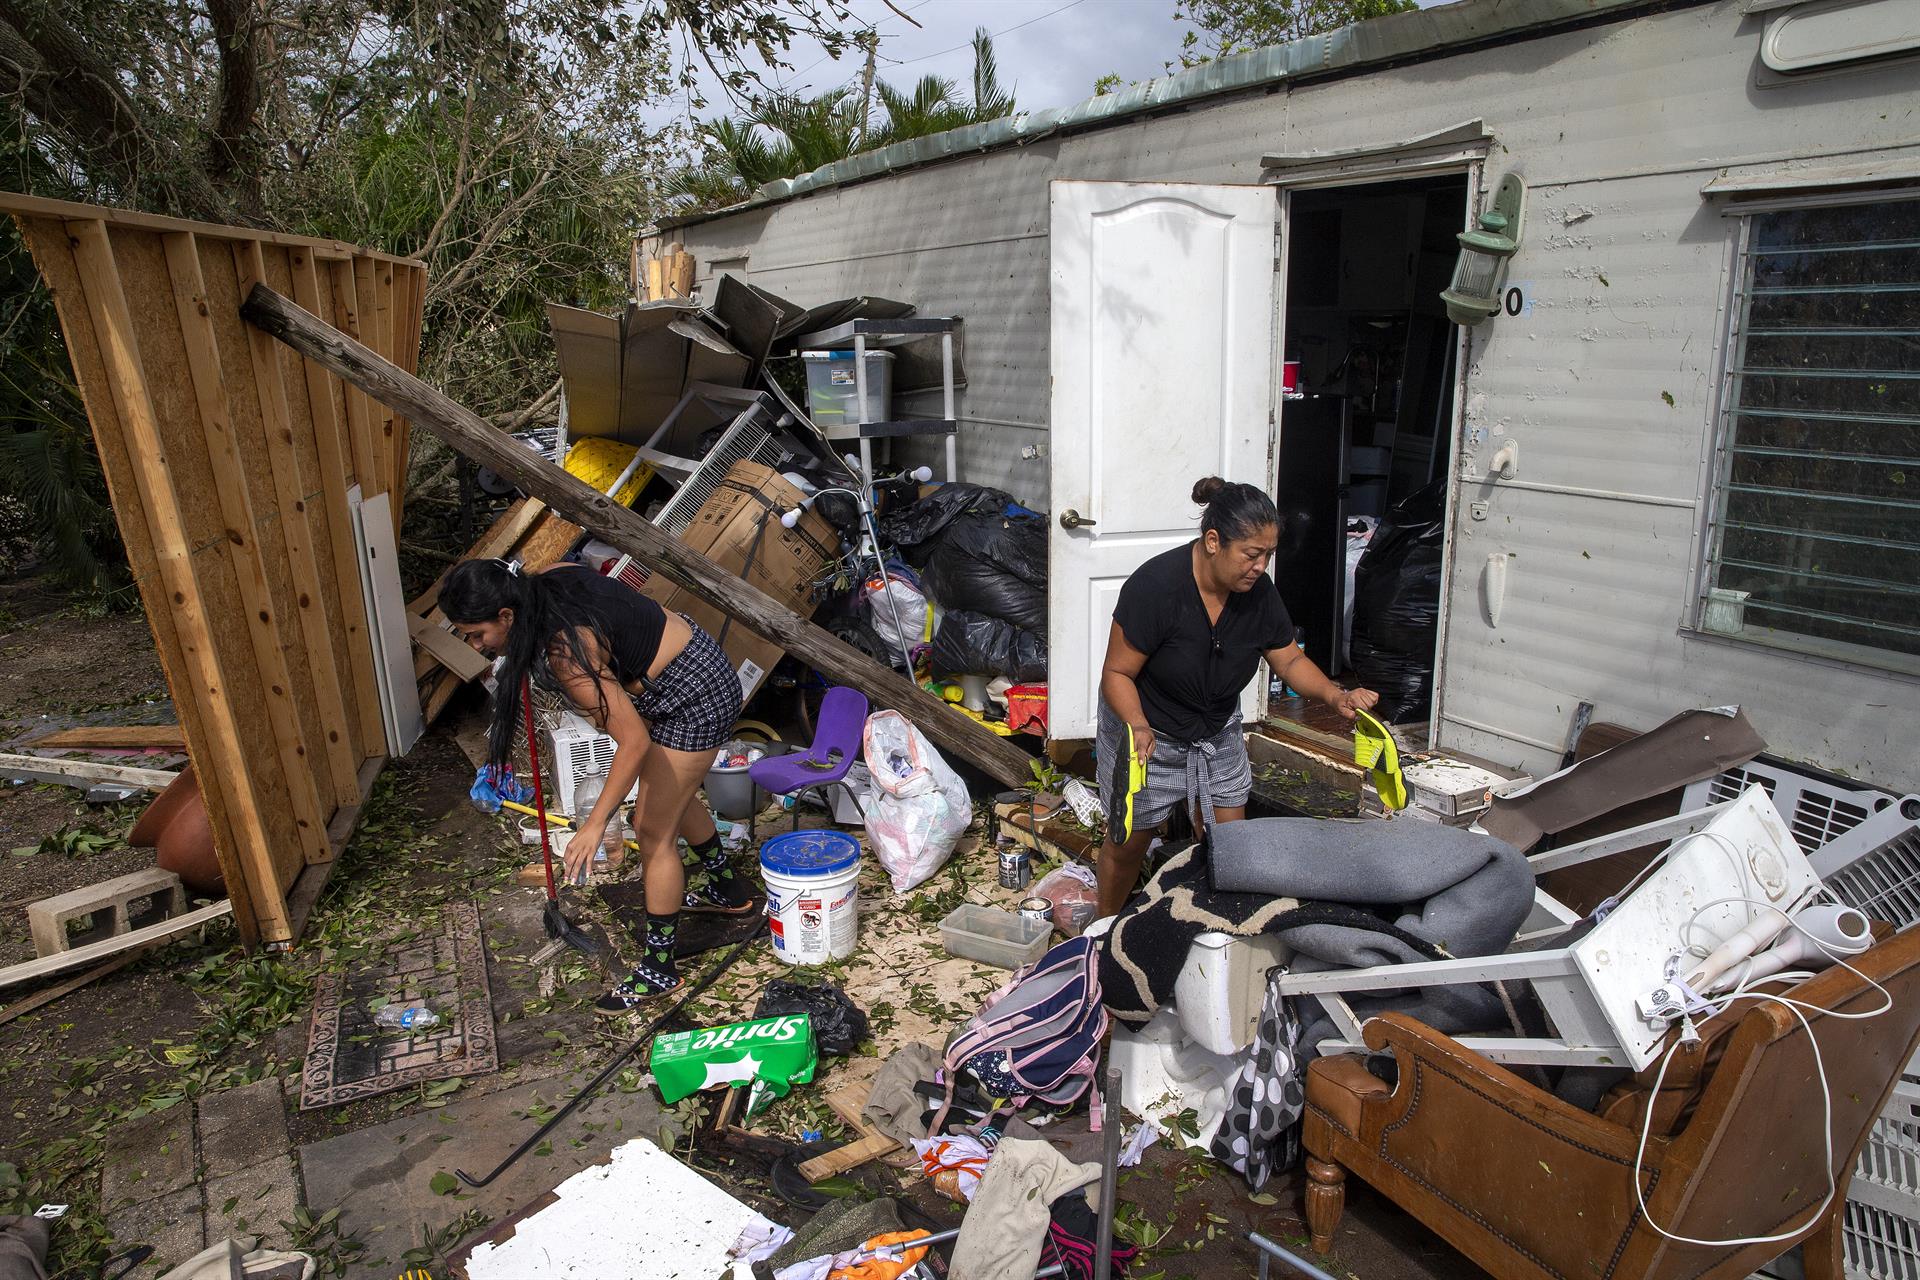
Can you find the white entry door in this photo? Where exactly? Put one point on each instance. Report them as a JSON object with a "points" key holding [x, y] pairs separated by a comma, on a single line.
{"points": [[1162, 340]]}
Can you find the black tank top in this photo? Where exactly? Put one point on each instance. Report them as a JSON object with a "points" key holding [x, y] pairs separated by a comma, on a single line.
{"points": [[633, 623]]}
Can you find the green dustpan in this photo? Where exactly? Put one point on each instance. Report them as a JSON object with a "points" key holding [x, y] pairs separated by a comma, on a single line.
{"points": [[1374, 751]]}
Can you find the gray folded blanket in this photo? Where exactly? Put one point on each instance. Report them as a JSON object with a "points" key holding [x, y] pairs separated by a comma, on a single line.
{"points": [[1464, 893]]}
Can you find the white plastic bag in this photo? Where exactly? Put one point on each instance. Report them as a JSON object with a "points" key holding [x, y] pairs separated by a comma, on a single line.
{"points": [[910, 630], [920, 807]]}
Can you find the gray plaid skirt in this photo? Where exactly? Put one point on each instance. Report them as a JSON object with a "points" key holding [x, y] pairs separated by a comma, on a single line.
{"points": [[692, 704]]}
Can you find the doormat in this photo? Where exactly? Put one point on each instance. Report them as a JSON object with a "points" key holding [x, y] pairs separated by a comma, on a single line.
{"points": [[699, 931], [350, 1057]]}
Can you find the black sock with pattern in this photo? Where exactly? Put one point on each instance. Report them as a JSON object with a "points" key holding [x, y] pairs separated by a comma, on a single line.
{"points": [[654, 974], [656, 971], [725, 886]]}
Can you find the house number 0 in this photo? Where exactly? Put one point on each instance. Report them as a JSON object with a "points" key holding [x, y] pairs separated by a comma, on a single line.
{"points": [[1517, 300]]}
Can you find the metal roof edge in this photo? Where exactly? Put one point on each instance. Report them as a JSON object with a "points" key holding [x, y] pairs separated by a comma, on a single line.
{"points": [[1377, 40]]}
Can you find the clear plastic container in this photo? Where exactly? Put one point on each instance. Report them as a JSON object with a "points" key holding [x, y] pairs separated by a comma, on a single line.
{"points": [[831, 387], [993, 936]]}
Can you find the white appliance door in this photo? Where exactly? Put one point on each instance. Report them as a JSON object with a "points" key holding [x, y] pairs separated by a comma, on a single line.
{"points": [[1162, 336]]}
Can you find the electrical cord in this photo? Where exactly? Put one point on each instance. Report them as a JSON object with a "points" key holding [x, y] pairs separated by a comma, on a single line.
{"points": [[1721, 1004]]}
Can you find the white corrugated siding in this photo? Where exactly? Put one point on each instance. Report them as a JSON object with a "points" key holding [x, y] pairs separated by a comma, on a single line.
{"points": [[1615, 129]]}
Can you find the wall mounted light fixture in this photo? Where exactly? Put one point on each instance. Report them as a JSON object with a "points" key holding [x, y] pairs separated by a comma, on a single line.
{"points": [[1474, 294]]}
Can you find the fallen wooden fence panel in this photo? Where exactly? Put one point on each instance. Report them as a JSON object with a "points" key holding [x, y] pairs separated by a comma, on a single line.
{"points": [[467, 433], [229, 460]]}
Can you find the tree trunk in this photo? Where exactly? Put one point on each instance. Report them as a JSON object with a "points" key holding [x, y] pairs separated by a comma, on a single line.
{"points": [[79, 100], [471, 435]]}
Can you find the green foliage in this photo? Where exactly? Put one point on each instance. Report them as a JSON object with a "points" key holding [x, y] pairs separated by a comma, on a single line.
{"points": [[498, 142], [1234, 26], [787, 135]]}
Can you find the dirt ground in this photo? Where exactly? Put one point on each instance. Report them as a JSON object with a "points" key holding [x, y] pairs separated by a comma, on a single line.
{"points": [[201, 1016]]}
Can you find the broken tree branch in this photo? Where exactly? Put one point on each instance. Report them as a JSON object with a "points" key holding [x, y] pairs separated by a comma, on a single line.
{"points": [[471, 435]]}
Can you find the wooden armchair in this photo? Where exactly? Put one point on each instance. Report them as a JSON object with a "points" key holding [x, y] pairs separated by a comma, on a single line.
{"points": [[1528, 1186]]}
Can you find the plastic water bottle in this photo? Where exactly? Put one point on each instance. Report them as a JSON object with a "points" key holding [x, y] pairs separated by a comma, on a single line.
{"points": [[412, 1017]]}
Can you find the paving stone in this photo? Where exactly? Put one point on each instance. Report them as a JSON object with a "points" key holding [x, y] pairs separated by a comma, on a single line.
{"points": [[241, 1127], [148, 1157], [170, 1223], [381, 1178], [254, 1202]]}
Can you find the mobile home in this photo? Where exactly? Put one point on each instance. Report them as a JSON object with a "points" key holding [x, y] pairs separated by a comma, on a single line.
{"points": [[1681, 460]]}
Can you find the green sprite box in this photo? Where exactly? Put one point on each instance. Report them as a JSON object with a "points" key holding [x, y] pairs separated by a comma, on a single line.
{"points": [[776, 1052]]}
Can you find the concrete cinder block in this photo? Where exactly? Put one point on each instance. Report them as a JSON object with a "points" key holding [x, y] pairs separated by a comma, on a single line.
{"points": [[48, 918]]}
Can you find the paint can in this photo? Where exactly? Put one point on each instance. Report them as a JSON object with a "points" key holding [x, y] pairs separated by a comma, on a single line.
{"points": [[1037, 908], [1016, 866]]}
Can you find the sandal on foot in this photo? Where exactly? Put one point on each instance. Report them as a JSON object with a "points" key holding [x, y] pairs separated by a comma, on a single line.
{"points": [[706, 900]]}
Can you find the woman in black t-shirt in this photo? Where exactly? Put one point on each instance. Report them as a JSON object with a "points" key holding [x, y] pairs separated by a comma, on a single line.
{"points": [[658, 685], [1189, 631]]}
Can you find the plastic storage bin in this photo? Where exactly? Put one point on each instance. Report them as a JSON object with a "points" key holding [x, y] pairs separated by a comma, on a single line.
{"points": [[730, 791], [993, 936], [831, 387]]}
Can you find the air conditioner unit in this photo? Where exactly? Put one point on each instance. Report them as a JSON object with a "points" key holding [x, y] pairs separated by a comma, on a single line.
{"points": [[1819, 809], [579, 752]]}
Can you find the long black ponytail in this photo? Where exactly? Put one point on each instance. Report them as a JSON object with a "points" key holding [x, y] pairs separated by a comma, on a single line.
{"points": [[549, 611]]}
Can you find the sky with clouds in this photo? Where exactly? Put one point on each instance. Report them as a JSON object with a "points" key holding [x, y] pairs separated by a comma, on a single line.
{"points": [[1050, 52]]}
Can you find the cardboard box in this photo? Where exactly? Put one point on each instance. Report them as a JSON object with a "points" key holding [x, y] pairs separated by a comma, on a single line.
{"points": [[739, 524]]}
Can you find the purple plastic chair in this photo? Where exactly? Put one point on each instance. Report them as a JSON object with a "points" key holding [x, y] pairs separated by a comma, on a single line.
{"points": [[836, 745]]}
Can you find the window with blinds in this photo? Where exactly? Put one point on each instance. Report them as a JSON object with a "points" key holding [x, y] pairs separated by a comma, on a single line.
{"points": [[1816, 538]]}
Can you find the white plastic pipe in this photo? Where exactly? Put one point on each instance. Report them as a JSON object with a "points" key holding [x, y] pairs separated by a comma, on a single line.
{"points": [[1820, 934]]}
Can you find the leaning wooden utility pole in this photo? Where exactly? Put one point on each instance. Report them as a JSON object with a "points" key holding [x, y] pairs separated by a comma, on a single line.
{"points": [[469, 434]]}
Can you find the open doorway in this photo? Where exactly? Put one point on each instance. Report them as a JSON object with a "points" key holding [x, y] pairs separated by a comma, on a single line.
{"points": [[1366, 424]]}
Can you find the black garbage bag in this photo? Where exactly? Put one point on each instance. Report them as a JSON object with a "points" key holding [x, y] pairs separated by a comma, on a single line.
{"points": [[913, 530], [992, 564], [838, 1024], [1396, 605], [972, 644]]}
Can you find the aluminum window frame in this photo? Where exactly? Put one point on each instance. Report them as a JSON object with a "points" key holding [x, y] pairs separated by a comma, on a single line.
{"points": [[1719, 461]]}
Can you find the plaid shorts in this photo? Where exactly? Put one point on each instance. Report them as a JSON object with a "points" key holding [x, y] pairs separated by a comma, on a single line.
{"points": [[691, 706]]}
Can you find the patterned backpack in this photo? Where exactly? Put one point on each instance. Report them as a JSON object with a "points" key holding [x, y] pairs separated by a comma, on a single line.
{"points": [[1036, 1039]]}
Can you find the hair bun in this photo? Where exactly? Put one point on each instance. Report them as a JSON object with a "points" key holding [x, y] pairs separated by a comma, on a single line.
{"points": [[1205, 491]]}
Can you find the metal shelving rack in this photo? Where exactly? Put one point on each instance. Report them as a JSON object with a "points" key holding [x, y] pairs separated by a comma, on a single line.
{"points": [[892, 333]]}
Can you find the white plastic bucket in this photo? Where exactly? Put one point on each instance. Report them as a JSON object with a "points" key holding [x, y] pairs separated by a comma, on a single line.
{"points": [[813, 895]]}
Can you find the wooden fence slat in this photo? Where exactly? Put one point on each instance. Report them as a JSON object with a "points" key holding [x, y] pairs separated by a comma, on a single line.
{"points": [[289, 487], [370, 312], [334, 469], [344, 315], [242, 548], [384, 428], [408, 359], [120, 354]]}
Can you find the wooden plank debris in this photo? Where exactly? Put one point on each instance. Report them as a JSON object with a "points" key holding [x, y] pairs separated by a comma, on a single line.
{"points": [[627, 531], [870, 1146], [47, 995], [138, 940], [112, 737], [81, 773]]}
